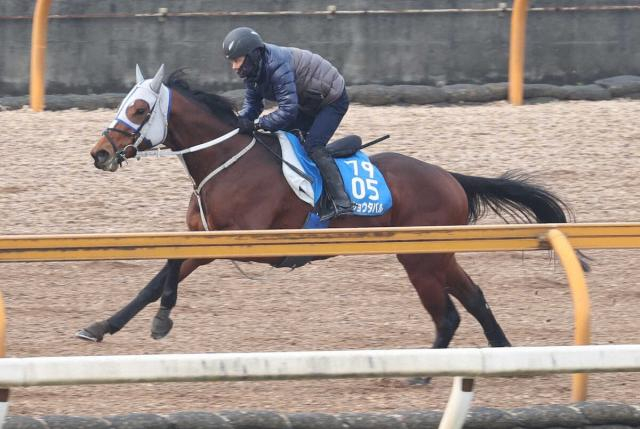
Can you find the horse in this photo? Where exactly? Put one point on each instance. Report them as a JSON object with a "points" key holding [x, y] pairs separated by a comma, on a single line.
{"points": [[229, 172]]}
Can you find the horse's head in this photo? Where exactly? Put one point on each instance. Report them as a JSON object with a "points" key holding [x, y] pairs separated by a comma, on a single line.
{"points": [[140, 124]]}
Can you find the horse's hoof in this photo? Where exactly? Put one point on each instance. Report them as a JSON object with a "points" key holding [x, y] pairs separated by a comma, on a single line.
{"points": [[94, 332], [419, 381], [161, 324]]}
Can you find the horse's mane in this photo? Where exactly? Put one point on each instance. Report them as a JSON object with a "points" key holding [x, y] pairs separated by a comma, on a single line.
{"points": [[220, 106]]}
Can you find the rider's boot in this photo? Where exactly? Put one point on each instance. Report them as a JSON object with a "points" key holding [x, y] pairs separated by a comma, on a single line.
{"points": [[342, 204]]}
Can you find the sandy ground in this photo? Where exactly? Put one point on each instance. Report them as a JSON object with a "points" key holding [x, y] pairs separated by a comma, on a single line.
{"points": [[584, 151]]}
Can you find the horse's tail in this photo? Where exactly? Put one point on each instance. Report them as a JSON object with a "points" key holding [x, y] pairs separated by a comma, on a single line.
{"points": [[513, 196]]}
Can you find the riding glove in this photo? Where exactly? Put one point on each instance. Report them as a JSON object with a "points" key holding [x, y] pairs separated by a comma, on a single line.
{"points": [[246, 126]]}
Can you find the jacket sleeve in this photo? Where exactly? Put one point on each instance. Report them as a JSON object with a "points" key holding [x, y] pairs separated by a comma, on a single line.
{"points": [[284, 91], [252, 105]]}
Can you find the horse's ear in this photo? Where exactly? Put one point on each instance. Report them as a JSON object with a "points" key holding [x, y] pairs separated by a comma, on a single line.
{"points": [[139, 77], [157, 79]]}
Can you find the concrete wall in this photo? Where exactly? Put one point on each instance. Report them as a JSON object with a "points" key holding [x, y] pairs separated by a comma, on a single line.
{"points": [[97, 55]]}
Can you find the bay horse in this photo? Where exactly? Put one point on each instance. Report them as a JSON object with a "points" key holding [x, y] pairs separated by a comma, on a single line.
{"points": [[249, 192]]}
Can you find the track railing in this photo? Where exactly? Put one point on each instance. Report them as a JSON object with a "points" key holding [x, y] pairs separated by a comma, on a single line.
{"points": [[4, 391], [485, 362], [37, 81], [347, 241], [463, 363]]}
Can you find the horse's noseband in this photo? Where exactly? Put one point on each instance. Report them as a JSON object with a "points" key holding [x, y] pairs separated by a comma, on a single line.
{"points": [[120, 154]]}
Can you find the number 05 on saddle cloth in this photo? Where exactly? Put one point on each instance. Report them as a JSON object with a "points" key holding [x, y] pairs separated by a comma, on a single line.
{"points": [[364, 183]]}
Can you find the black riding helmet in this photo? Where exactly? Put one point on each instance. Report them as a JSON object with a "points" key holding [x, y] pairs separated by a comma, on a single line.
{"points": [[240, 42]]}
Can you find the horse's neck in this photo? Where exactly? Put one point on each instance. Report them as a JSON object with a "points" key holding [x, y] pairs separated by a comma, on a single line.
{"points": [[189, 126], [257, 174]]}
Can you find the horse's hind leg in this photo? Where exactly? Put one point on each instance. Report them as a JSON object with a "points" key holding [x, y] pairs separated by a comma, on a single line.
{"points": [[461, 286], [427, 274]]}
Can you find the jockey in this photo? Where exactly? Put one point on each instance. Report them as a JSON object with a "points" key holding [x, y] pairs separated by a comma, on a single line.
{"points": [[309, 91]]}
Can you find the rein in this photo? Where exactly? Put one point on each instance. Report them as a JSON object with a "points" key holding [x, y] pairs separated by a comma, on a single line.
{"points": [[160, 153], [278, 156]]}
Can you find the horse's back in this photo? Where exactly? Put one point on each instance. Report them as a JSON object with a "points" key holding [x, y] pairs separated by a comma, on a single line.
{"points": [[423, 193]]}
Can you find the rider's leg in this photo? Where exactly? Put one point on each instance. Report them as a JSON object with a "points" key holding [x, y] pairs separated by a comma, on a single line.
{"points": [[333, 180], [324, 125], [302, 124]]}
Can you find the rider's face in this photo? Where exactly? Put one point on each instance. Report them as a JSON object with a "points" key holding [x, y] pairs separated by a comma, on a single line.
{"points": [[236, 63]]}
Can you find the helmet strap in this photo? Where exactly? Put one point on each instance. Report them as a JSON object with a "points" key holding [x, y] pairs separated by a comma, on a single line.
{"points": [[250, 68]]}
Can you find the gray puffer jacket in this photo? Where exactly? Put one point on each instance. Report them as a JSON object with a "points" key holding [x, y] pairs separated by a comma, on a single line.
{"points": [[294, 78]]}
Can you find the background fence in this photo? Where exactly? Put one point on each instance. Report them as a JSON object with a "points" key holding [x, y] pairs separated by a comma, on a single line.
{"points": [[94, 46]]}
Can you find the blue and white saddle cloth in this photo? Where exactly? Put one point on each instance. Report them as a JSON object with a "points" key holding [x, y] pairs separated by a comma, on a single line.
{"points": [[364, 183]]}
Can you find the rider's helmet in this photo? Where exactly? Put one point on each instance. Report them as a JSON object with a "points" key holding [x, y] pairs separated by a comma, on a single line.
{"points": [[241, 41]]}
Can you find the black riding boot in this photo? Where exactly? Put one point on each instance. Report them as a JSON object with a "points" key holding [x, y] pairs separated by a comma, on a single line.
{"points": [[342, 204]]}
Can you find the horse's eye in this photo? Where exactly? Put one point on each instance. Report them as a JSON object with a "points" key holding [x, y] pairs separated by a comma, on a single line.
{"points": [[140, 111]]}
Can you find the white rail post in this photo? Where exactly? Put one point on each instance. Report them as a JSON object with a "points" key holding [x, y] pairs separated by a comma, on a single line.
{"points": [[459, 403], [4, 393]]}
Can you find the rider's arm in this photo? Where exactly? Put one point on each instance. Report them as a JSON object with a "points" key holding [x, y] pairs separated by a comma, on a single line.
{"points": [[252, 105], [284, 90]]}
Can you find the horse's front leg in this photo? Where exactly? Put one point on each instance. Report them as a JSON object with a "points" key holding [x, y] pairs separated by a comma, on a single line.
{"points": [[150, 293], [161, 324]]}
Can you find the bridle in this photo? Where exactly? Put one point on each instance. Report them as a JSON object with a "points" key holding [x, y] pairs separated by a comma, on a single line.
{"points": [[156, 133], [152, 132], [136, 137]]}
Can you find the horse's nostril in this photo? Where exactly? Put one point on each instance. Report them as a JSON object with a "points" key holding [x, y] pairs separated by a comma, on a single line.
{"points": [[100, 157]]}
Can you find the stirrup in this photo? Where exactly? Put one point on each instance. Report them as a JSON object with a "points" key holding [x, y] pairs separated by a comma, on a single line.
{"points": [[337, 211]]}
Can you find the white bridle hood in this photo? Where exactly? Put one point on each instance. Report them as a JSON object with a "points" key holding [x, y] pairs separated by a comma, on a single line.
{"points": [[158, 97]]}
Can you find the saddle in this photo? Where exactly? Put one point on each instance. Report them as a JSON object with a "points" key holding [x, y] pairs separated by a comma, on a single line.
{"points": [[365, 184], [341, 148], [345, 147]]}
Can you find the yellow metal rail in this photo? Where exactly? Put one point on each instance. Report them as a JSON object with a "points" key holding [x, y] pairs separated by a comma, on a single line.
{"points": [[517, 52], [563, 238], [39, 55], [352, 241], [581, 303]]}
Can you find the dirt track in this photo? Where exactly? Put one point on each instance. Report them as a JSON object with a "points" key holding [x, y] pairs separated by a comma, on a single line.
{"points": [[587, 152]]}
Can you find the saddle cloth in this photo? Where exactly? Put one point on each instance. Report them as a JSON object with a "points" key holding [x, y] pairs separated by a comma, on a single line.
{"points": [[364, 183]]}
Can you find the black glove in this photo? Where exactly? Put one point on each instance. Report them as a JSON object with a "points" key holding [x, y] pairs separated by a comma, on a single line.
{"points": [[246, 126]]}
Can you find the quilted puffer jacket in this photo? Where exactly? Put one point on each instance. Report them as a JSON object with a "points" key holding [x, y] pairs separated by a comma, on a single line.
{"points": [[296, 80]]}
